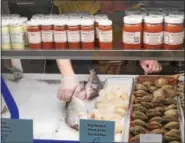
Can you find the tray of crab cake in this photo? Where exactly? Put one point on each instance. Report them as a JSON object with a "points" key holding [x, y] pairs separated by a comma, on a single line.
{"points": [[104, 100], [154, 109]]}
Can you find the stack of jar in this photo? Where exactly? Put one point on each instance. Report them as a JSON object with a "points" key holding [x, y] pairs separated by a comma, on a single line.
{"points": [[153, 30], [74, 31], [14, 32]]}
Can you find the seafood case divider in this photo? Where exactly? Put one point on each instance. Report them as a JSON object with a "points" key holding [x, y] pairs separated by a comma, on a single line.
{"points": [[172, 80], [180, 110]]}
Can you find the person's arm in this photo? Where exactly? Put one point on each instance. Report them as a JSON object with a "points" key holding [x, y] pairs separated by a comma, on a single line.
{"points": [[65, 67]]}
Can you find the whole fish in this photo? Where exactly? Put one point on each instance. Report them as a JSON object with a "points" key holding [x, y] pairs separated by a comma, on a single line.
{"points": [[93, 85], [79, 107]]}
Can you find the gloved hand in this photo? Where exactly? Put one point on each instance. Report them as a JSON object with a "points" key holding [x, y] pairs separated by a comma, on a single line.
{"points": [[80, 91], [150, 66], [67, 88]]}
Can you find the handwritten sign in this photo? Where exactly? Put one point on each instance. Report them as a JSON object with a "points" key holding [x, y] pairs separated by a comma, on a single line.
{"points": [[13, 130], [94, 131], [151, 138]]}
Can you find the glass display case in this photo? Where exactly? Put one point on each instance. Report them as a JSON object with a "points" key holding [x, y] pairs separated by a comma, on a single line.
{"points": [[105, 45]]}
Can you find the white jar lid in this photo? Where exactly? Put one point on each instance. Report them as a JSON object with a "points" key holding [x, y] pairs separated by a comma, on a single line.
{"points": [[132, 19], [105, 22], [99, 16], [60, 22], [153, 19], [32, 23], [87, 22], [73, 22], [154, 13], [46, 22], [4, 23], [174, 19], [177, 14]]}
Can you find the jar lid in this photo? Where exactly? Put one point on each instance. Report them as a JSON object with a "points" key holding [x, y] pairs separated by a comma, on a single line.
{"points": [[132, 19], [105, 22], [174, 19], [32, 23], [87, 22], [153, 19], [132, 11], [101, 16], [60, 22], [177, 14], [73, 22], [45, 22], [4, 23], [154, 13]]}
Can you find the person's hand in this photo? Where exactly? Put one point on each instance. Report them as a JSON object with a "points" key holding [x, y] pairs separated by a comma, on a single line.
{"points": [[150, 66], [67, 88]]}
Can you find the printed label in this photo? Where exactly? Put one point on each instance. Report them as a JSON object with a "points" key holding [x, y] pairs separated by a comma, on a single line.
{"points": [[60, 36], [150, 138], [173, 38], [34, 37], [73, 36], [47, 36], [105, 36], [153, 38], [132, 37], [17, 37], [5, 38], [97, 33], [87, 36]]}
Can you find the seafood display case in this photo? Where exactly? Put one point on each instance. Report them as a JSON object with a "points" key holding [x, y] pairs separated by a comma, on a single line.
{"points": [[137, 104]]}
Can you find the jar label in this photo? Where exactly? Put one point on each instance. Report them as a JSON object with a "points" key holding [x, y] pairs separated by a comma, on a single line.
{"points": [[173, 38], [47, 36], [97, 33], [87, 36], [73, 36], [153, 38], [132, 37], [60, 36], [5, 38], [34, 37], [17, 37], [105, 36]]}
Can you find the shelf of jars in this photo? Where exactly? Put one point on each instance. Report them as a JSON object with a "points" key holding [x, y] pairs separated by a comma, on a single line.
{"points": [[162, 55]]}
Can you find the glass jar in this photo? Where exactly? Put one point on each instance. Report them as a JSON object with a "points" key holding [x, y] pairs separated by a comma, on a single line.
{"points": [[105, 34], [34, 35], [73, 34], [17, 35], [47, 34], [87, 34], [173, 32], [6, 43], [132, 32], [60, 34], [153, 32]]}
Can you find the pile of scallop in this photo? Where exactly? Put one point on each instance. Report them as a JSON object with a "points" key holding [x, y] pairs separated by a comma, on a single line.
{"points": [[154, 110]]}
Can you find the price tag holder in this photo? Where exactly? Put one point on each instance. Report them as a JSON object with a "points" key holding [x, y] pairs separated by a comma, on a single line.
{"points": [[150, 138], [16, 131], [94, 131]]}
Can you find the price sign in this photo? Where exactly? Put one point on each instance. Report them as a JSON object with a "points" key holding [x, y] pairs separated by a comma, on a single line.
{"points": [[94, 131], [151, 138], [16, 131]]}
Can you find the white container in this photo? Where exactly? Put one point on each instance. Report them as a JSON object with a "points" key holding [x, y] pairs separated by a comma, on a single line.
{"points": [[6, 42]]}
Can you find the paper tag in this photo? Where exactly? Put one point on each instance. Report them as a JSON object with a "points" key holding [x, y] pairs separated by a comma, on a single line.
{"points": [[131, 37], [150, 138], [16, 131], [94, 131]]}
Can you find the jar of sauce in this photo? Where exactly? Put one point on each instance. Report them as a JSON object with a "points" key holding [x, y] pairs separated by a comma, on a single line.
{"points": [[105, 34], [60, 34], [6, 43], [98, 18], [73, 34], [17, 35], [34, 35], [153, 32], [24, 21], [87, 34], [132, 32], [173, 32], [47, 34]]}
